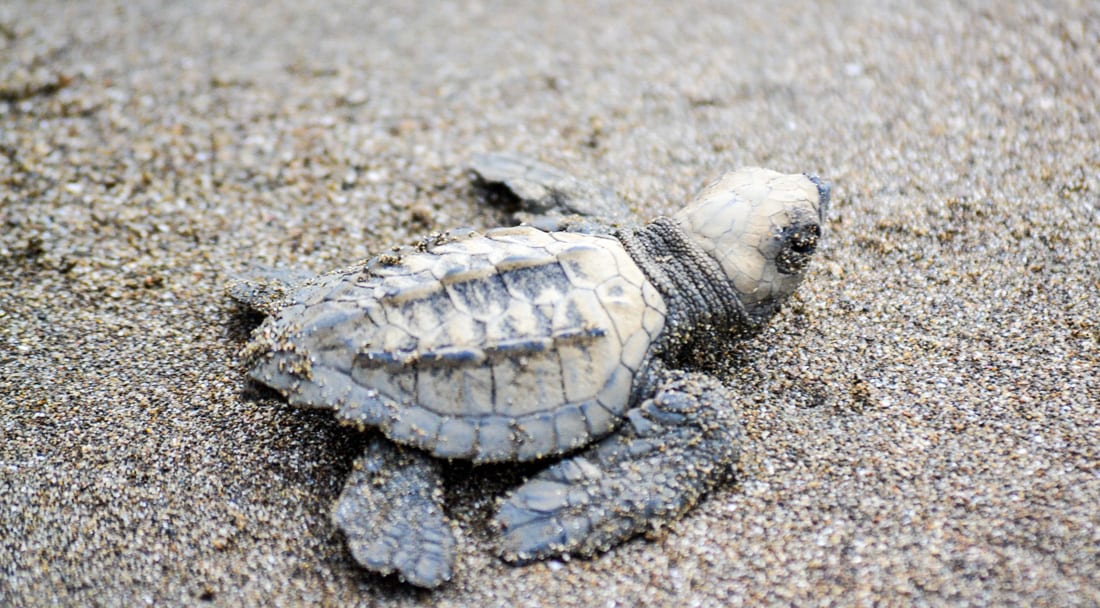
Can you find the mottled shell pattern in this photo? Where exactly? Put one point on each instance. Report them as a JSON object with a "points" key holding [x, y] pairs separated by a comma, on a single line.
{"points": [[514, 344]]}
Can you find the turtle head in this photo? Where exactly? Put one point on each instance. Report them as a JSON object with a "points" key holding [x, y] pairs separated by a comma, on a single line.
{"points": [[762, 227]]}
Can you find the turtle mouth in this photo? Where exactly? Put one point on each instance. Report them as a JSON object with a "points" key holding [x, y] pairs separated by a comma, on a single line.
{"points": [[824, 189]]}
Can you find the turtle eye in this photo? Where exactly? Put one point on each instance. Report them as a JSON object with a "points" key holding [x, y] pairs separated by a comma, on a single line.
{"points": [[799, 243]]}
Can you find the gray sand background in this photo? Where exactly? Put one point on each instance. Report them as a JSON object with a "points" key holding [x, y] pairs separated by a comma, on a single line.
{"points": [[922, 419]]}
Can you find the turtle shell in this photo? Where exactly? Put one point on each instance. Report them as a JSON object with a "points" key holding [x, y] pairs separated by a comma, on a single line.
{"points": [[510, 345]]}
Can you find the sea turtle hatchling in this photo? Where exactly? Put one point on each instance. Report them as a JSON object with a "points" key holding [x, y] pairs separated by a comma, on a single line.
{"points": [[563, 338]]}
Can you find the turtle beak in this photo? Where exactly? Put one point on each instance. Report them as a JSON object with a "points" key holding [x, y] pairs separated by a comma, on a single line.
{"points": [[824, 189]]}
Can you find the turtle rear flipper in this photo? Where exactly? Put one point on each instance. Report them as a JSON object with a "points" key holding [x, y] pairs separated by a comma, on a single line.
{"points": [[263, 289], [675, 447], [546, 197]]}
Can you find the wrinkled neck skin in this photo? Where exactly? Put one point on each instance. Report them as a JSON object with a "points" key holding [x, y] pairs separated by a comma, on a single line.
{"points": [[703, 307]]}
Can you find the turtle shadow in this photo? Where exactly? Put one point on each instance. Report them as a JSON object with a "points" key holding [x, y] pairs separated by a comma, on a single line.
{"points": [[471, 492], [240, 322]]}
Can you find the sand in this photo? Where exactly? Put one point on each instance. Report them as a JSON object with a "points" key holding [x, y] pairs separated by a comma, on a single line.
{"points": [[922, 420]]}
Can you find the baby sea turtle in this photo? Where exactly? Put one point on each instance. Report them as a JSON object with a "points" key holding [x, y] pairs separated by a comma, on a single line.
{"points": [[563, 338]]}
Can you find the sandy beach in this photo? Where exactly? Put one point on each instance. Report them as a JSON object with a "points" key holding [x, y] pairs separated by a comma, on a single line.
{"points": [[922, 420]]}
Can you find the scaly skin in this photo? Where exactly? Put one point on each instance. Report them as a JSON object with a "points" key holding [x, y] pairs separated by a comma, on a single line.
{"points": [[391, 512], [672, 449]]}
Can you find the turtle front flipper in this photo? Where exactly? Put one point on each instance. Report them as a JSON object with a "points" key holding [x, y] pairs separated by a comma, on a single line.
{"points": [[391, 511], [546, 197], [676, 446]]}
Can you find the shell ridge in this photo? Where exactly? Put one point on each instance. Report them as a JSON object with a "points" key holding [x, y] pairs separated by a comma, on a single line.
{"points": [[465, 356]]}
